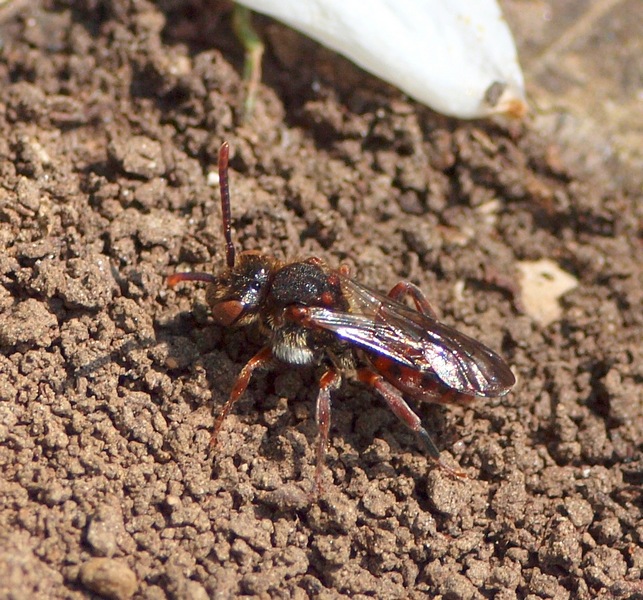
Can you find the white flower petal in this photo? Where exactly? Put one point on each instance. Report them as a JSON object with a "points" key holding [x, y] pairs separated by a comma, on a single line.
{"points": [[456, 56]]}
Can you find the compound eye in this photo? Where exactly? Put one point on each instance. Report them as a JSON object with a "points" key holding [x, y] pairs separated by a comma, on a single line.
{"points": [[226, 313]]}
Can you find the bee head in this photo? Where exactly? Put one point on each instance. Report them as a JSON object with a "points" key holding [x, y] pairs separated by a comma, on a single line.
{"points": [[236, 295]]}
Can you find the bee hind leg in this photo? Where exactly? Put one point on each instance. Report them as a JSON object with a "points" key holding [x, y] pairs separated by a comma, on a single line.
{"points": [[403, 412], [404, 289]]}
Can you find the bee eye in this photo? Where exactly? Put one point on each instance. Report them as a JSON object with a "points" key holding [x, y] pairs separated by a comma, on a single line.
{"points": [[226, 313]]}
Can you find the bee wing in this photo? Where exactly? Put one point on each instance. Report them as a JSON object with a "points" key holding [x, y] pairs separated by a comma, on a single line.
{"points": [[389, 328]]}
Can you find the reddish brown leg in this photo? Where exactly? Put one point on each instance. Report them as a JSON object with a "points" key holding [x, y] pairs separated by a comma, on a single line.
{"points": [[406, 288], [175, 278], [329, 381], [403, 411], [261, 359], [452, 397]]}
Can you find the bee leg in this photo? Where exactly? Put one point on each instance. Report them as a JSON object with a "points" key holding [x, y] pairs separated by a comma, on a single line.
{"points": [[406, 288], [403, 412], [261, 359], [329, 381]]}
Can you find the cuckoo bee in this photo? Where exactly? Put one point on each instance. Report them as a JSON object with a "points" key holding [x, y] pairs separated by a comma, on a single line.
{"points": [[312, 314]]}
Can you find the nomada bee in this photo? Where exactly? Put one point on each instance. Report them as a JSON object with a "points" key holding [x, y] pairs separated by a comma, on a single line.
{"points": [[314, 315]]}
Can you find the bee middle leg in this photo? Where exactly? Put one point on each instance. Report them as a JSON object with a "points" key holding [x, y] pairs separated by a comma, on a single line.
{"points": [[404, 413], [261, 359], [329, 381]]}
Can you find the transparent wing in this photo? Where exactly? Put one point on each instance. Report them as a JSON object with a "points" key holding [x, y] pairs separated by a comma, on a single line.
{"points": [[389, 328]]}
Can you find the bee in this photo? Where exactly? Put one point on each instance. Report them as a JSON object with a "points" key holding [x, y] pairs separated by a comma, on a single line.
{"points": [[312, 314]]}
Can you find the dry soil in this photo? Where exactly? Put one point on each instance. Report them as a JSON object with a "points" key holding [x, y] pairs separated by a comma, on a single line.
{"points": [[111, 115]]}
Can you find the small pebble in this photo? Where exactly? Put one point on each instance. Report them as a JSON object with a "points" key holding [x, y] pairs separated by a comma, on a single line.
{"points": [[109, 578]]}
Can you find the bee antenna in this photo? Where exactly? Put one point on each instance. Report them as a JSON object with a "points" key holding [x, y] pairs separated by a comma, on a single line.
{"points": [[224, 153]]}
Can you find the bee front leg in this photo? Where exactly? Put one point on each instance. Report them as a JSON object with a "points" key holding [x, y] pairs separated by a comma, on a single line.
{"points": [[261, 359], [403, 412], [406, 288], [329, 381]]}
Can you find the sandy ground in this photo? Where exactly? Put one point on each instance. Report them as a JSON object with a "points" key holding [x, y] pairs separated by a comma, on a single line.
{"points": [[111, 115]]}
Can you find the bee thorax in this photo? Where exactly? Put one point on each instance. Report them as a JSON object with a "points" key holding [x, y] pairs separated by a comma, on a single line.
{"points": [[292, 346]]}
